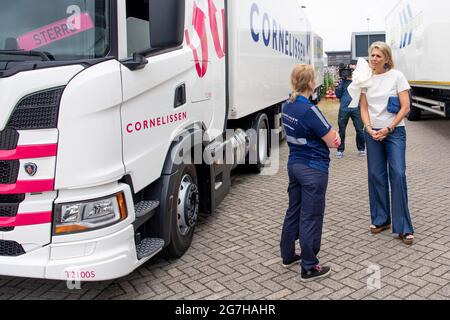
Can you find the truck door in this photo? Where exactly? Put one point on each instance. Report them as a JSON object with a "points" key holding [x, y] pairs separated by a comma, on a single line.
{"points": [[164, 95]]}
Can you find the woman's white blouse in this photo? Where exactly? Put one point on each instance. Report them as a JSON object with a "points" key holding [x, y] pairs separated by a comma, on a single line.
{"points": [[384, 86]]}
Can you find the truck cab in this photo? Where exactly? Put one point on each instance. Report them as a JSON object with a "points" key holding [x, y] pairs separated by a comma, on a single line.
{"points": [[93, 98]]}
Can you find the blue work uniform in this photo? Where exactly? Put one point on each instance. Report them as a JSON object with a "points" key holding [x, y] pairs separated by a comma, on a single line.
{"points": [[309, 159]]}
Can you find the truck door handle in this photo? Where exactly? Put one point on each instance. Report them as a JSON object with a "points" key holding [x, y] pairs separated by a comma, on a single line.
{"points": [[180, 96]]}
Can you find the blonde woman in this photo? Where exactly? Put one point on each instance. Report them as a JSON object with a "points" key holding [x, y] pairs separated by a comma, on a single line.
{"points": [[309, 137], [386, 145]]}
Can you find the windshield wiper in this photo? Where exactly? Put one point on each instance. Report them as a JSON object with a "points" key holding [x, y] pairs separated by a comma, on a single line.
{"points": [[45, 56]]}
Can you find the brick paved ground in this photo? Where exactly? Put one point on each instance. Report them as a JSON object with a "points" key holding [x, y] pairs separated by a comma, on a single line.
{"points": [[235, 253]]}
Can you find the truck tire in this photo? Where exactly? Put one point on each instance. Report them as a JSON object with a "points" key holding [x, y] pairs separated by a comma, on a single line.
{"points": [[282, 128], [184, 212], [317, 100], [414, 114], [312, 100], [282, 135], [259, 144]]}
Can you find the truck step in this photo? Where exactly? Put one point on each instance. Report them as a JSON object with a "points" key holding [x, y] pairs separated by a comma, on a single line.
{"points": [[145, 207], [149, 247]]}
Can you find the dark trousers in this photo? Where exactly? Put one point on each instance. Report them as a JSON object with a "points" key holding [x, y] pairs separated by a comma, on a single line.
{"points": [[387, 163], [344, 117], [304, 217]]}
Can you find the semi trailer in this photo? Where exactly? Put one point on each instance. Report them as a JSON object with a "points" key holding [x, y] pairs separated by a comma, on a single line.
{"points": [[416, 31]]}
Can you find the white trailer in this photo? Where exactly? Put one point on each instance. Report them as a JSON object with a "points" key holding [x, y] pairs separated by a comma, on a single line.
{"points": [[121, 120], [319, 66], [417, 32]]}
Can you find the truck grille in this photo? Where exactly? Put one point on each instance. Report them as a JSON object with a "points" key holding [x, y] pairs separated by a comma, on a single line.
{"points": [[8, 139], [11, 198], [10, 249], [8, 210], [37, 111], [9, 171], [9, 206]]}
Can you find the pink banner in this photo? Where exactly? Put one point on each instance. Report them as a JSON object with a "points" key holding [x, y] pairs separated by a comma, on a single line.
{"points": [[55, 32]]}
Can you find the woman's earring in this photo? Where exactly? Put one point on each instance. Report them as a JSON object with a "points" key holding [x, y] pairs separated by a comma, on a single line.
{"points": [[386, 66]]}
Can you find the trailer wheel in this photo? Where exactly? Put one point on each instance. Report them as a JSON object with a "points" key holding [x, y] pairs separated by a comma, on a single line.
{"points": [[184, 212], [282, 136], [414, 114], [259, 144], [317, 100]]}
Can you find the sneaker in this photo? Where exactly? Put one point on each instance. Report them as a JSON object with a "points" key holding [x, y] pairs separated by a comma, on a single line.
{"points": [[362, 153], [295, 260], [316, 272], [339, 155]]}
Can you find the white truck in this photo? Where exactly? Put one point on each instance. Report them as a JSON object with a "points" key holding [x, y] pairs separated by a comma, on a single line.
{"points": [[319, 66], [120, 121], [416, 31]]}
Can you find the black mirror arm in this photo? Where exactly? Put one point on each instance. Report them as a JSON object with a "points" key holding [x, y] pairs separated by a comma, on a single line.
{"points": [[136, 63]]}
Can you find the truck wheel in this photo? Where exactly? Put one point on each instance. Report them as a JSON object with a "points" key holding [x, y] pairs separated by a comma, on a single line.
{"points": [[282, 135], [259, 144], [184, 213], [317, 99], [414, 114]]}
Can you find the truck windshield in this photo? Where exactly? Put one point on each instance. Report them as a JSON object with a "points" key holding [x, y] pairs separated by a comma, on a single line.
{"points": [[59, 30]]}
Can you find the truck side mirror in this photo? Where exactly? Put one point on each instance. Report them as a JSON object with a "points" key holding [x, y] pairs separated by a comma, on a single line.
{"points": [[166, 23]]}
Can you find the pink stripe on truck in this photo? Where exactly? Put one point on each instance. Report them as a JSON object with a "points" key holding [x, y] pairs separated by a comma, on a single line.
{"points": [[31, 186], [26, 219], [29, 152], [56, 31]]}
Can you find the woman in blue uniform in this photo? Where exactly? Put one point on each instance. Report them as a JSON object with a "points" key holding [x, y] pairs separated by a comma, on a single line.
{"points": [[309, 136]]}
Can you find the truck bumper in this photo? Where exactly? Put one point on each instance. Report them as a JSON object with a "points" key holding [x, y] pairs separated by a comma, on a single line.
{"points": [[105, 258]]}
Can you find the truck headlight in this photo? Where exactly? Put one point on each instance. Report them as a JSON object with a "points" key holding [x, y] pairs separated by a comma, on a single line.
{"points": [[89, 215]]}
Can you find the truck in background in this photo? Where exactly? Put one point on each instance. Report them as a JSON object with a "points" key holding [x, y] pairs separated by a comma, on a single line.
{"points": [[361, 42], [416, 33], [104, 106], [319, 65]]}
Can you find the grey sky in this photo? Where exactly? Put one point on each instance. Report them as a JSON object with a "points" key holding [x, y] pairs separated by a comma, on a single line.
{"points": [[335, 20]]}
